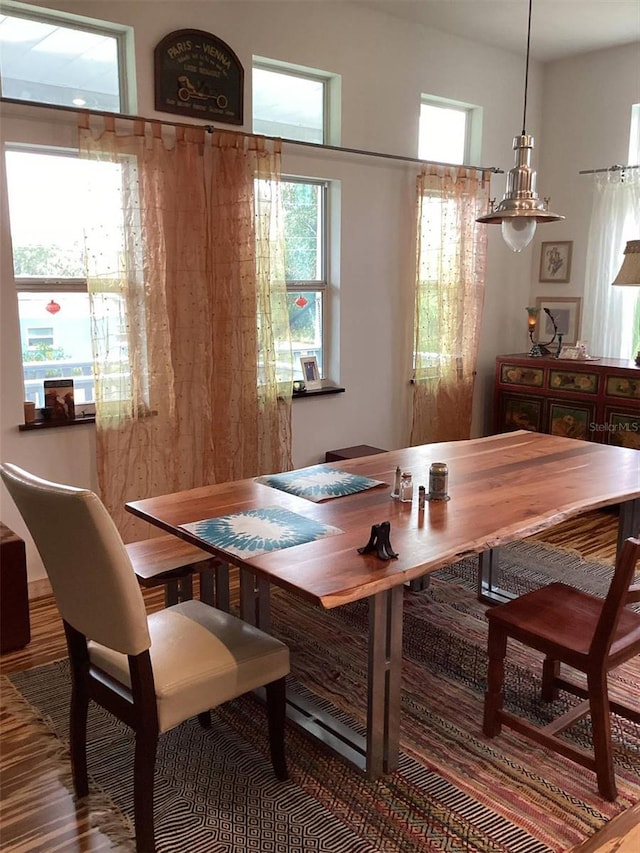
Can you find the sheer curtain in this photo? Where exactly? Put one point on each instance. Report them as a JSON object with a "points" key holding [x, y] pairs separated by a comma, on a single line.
{"points": [[450, 279], [611, 314], [189, 313]]}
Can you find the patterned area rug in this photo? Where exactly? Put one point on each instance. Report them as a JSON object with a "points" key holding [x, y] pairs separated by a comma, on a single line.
{"points": [[455, 790]]}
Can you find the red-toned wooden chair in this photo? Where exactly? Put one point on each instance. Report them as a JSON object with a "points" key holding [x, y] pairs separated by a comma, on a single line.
{"points": [[152, 672], [590, 634]]}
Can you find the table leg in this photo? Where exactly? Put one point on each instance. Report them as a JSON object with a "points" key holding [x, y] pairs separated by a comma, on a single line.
{"points": [[254, 600], [378, 753], [383, 682], [628, 522], [214, 586], [488, 592]]}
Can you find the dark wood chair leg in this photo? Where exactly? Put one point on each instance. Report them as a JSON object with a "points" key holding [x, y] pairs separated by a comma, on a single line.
{"points": [[78, 736], [601, 725], [550, 671], [493, 698], [276, 716], [143, 779], [205, 719], [79, 708]]}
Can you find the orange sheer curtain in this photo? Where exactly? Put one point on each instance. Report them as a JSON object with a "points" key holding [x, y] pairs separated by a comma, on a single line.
{"points": [[450, 279], [188, 305]]}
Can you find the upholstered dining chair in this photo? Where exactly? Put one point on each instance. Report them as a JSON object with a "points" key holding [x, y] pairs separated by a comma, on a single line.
{"points": [[152, 672], [590, 634]]}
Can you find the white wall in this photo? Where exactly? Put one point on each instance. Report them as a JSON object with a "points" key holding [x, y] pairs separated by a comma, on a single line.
{"points": [[586, 124], [385, 65]]}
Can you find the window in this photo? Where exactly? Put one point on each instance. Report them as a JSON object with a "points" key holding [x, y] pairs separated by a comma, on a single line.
{"points": [[291, 103], [448, 131], [304, 204], [50, 58], [37, 337], [49, 266]]}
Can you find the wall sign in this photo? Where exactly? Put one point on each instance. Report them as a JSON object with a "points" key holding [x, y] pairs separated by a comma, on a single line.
{"points": [[197, 74]]}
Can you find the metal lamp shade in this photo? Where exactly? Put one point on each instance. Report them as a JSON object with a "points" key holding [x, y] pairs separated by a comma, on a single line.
{"points": [[520, 209]]}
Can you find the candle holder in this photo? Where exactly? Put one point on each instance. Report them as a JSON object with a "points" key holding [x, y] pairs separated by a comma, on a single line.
{"points": [[539, 349]]}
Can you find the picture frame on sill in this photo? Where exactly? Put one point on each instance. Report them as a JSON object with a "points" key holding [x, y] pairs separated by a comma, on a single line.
{"points": [[310, 372], [555, 261], [566, 311]]}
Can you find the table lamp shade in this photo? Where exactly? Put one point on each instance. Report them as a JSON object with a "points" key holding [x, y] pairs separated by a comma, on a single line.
{"points": [[629, 272]]}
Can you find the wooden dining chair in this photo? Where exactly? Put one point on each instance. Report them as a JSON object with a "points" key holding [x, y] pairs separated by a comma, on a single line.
{"points": [[590, 634], [152, 672]]}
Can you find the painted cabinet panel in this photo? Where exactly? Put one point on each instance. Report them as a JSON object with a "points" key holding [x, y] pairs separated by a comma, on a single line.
{"points": [[593, 401]]}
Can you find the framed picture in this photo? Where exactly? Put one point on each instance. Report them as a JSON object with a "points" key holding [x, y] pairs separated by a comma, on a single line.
{"points": [[566, 313], [555, 261], [310, 372]]}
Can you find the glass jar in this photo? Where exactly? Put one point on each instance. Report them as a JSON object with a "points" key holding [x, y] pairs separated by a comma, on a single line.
{"points": [[406, 487]]}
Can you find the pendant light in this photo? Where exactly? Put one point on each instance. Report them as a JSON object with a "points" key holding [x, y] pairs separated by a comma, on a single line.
{"points": [[520, 209]]}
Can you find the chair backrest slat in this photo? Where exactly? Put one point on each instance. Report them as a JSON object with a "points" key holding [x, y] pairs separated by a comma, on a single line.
{"points": [[617, 598], [91, 576]]}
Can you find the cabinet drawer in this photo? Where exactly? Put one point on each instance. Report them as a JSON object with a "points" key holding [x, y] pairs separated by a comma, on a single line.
{"points": [[529, 377], [573, 380], [623, 386]]}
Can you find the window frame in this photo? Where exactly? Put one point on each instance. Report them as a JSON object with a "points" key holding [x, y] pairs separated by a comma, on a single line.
{"points": [[320, 285], [122, 34]]}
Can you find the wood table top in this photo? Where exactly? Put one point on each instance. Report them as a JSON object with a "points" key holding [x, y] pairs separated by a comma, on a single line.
{"points": [[502, 487]]}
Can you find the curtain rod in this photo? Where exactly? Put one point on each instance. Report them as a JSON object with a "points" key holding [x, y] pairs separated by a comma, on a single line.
{"points": [[615, 168], [322, 146], [209, 128]]}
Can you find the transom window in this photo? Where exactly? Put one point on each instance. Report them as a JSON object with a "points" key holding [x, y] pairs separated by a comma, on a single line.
{"points": [[447, 130], [290, 103], [64, 60]]}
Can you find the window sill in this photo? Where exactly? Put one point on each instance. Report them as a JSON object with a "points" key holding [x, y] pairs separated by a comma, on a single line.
{"points": [[54, 424], [327, 388]]}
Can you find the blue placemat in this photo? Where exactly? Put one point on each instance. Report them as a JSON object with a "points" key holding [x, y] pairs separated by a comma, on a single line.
{"points": [[319, 483], [256, 531]]}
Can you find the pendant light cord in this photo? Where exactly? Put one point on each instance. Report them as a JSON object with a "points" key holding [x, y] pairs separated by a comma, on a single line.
{"points": [[526, 73]]}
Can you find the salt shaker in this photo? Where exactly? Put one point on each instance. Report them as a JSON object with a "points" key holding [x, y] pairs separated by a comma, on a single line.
{"points": [[406, 487]]}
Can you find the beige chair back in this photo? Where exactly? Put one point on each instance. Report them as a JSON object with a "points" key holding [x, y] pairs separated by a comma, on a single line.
{"points": [[91, 575]]}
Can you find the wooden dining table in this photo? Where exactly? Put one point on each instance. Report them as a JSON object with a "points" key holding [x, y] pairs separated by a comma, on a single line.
{"points": [[502, 488]]}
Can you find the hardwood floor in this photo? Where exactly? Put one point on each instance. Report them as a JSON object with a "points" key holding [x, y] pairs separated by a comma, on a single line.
{"points": [[55, 822]]}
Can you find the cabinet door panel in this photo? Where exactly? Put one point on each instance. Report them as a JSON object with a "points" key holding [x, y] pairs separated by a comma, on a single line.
{"points": [[519, 412], [622, 428], [572, 420]]}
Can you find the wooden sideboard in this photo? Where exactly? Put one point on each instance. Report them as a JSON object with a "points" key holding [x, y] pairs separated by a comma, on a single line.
{"points": [[596, 399]]}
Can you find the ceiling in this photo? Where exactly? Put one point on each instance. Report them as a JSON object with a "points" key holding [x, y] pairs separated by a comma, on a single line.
{"points": [[559, 28]]}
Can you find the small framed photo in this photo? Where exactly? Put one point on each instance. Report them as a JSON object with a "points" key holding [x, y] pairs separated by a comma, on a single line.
{"points": [[565, 311], [555, 261], [569, 352], [310, 372]]}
